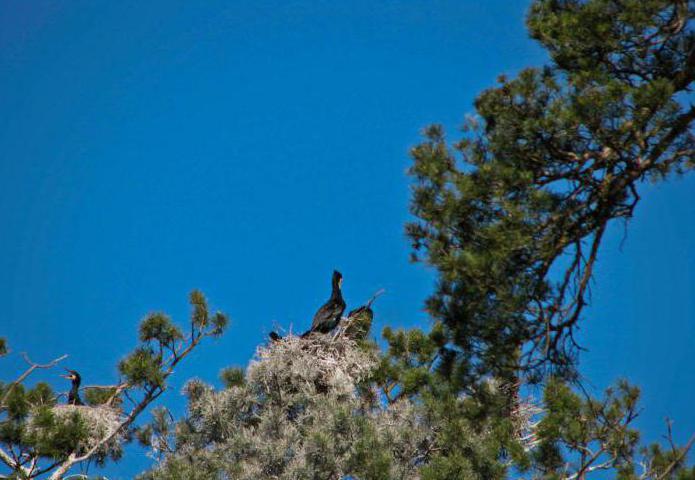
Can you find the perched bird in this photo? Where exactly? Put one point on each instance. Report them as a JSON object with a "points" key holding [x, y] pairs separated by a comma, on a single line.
{"points": [[359, 320], [328, 316], [74, 394], [274, 337]]}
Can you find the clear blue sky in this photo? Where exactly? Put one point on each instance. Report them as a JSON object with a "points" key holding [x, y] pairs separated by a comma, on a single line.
{"points": [[247, 149]]}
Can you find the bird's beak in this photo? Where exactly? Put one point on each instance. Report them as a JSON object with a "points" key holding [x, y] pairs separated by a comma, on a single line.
{"points": [[66, 376]]}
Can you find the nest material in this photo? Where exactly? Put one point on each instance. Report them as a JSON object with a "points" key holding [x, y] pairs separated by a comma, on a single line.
{"points": [[100, 421], [319, 363], [526, 419]]}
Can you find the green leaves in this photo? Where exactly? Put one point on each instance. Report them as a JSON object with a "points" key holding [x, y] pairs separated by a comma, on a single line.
{"points": [[45, 436], [232, 377], [512, 216], [41, 395], [160, 427], [220, 322], [55, 436], [143, 367], [634, 41], [16, 404], [586, 431], [163, 343], [552, 157], [305, 409], [464, 451], [200, 317], [100, 396], [370, 458], [158, 327]]}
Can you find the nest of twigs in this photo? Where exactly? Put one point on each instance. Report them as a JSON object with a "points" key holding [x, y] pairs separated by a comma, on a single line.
{"points": [[317, 364], [99, 422], [525, 414], [526, 419]]}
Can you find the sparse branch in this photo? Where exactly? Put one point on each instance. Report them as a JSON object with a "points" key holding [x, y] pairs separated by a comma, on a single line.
{"points": [[32, 366], [151, 393], [589, 467], [679, 457], [11, 462]]}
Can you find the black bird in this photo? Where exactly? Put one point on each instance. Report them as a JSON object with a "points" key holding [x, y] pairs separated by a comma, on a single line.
{"points": [[328, 316], [274, 337], [74, 394], [359, 320]]}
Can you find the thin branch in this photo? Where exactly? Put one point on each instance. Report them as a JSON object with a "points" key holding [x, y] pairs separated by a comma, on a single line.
{"points": [[151, 394], [32, 366], [7, 459], [678, 460]]}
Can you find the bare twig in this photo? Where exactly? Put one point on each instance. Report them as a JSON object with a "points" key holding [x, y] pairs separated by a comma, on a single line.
{"points": [[32, 366], [679, 458], [151, 394]]}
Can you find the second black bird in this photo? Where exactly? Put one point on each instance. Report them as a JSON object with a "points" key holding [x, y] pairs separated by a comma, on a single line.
{"points": [[328, 316], [74, 394], [359, 320]]}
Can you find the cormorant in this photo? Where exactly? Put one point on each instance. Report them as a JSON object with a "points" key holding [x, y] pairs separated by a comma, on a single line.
{"points": [[74, 394], [328, 316], [359, 320], [274, 337]]}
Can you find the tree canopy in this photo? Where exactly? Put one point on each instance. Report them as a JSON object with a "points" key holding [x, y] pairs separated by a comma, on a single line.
{"points": [[511, 215], [43, 438]]}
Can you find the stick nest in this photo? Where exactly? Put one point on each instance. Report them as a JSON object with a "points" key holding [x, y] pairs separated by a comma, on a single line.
{"points": [[98, 421], [316, 364]]}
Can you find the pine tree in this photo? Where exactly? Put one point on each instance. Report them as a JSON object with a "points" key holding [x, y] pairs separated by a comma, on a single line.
{"points": [[550, 159], [309, 408], [41, 437], [512, 215]]}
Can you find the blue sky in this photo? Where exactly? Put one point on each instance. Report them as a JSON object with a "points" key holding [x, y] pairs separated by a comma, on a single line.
{"points": [[247, 149]]}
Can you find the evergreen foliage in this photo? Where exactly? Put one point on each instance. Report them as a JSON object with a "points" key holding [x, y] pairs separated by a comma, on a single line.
{"points": [[511, 216], [549, 160], [321, 408], [307, 408], [43, 438]]}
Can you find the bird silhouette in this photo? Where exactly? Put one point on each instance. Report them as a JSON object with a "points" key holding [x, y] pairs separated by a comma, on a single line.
{"points": [[74, 393], [274, 336], [328, 316], [359, 320]]}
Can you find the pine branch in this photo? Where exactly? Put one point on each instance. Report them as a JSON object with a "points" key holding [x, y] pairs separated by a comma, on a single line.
{"points": [[151, 394], [681, 456], [32, 366]]}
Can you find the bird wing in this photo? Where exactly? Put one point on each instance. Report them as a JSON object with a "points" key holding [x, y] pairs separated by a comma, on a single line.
{"points": [[329, 312]]}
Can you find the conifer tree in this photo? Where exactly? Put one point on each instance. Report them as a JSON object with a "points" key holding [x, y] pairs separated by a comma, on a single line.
{"points": [[308, 408], [550, 159], [513, 213], [512, 216], [42, 437]]}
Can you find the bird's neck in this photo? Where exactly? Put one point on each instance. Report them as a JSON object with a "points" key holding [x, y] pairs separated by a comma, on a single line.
{"points": [[75, 387]]}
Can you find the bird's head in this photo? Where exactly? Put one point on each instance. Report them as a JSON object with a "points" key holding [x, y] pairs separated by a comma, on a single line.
{"points": [[337, 279], [72, 375]]}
